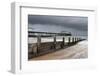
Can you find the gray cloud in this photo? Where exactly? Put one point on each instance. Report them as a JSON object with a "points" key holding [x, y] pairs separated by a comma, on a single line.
{"points": [[74, 24]]}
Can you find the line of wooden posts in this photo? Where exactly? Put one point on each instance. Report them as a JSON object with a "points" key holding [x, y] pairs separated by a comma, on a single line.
{"points": [[74, 40], [55, 45]]}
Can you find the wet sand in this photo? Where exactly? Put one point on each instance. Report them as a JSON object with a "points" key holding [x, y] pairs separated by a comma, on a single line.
{"points": [[80, 50]]}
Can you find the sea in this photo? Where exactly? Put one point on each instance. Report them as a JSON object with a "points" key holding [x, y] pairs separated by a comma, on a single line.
{"points": [[51, 39]]}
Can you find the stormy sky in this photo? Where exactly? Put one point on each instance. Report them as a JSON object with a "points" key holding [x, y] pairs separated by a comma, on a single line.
{"points": [[77, 25]]}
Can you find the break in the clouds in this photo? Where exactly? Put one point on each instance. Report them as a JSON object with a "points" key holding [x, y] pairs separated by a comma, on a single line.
{"points": [[75, 24]]}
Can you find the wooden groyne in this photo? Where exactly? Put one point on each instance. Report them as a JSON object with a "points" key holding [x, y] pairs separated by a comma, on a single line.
{"points": [[41, 48], [78, 51]]}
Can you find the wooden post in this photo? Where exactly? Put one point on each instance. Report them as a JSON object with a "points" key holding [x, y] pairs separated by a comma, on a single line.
{"points": [[77, 39], [68, 40], [73, 40], [34, 49], [63, 41], [55, 41], [38, 42]]}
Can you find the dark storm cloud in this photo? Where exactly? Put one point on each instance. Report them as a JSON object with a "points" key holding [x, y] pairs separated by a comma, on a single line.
{"points": [[64, 22], [79, 23]]}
